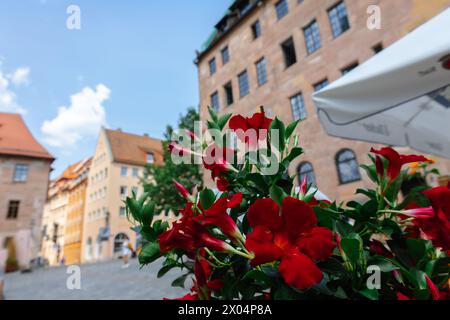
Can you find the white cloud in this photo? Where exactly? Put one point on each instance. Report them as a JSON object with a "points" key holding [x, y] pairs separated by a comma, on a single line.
{"points": [[8, 99], [21, 76], [83, 118]]}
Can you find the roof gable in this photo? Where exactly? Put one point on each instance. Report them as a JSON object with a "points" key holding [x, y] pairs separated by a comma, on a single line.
{"points": [[133, 149], [17, 140]]}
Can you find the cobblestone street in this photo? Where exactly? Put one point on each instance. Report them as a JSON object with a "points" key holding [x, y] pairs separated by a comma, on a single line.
{"points": [[98, 281]]}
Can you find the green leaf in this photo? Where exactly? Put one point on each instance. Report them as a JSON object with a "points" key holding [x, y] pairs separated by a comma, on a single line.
{"points": [[213, 115], [179, 282], [259, 276], [370, 294], [223, 120], [277, 194], [278, 125], [290, 129], [207, 198], [353, 248], [134, 208], [416, 248], [149, 253], [371, 172], [165, 269], [384, 264], [295, 152], [147, 213], [142, 198]]}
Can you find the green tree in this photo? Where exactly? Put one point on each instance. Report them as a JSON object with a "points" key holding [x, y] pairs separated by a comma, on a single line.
{"points": [[158, 180]]}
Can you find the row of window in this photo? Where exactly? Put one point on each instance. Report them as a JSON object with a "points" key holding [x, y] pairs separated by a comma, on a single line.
{"points": [[134, 171], [297, 101], [102, 175], [97, 195], [339, 23], [346, 164], [243, 83]]}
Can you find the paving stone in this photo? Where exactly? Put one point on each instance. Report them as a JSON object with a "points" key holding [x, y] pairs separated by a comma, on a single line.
{"points": [[102, 281]]}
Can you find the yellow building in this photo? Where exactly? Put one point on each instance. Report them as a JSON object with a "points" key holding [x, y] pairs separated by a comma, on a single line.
{"points": [[62, 211], [75, 212], [117, 167]]}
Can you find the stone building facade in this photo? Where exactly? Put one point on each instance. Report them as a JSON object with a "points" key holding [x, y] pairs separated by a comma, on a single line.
{"points": [[277, 53], [116, 171], [24, 178]]}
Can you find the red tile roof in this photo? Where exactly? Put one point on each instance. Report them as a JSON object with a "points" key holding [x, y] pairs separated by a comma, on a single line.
{"points": [[133, 149], [17, 140]]}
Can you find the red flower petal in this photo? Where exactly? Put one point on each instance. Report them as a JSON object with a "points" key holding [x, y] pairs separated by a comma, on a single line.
{"points": [[238, 122], [264, 212], [299, 271], [260, 242], [298, 217], [402, 297], [318, 244], [256, 121]]}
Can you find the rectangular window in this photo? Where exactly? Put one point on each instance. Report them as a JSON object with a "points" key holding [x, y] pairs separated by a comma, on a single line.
{"points": [[20, 173], [150, 158], [135, 172], [256, 29], [13, 209], [338, 19], [212, 66], [225, 55], [349, 68], [122, 212], [298, 107], [228, 88], [312, 37], [135, 190], [123, 191], [215, 103], [123, 171], [320, 85], [261, 71], [289, 54], [282, 8], [378, 48], [243, 84]]}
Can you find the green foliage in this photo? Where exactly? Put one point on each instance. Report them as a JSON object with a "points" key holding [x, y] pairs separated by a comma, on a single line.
{"points": [[158, 182]]}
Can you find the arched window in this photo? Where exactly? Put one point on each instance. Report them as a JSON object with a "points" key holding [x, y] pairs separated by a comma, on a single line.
{"points": [[118, 241], [347, 166], [305, 169]]}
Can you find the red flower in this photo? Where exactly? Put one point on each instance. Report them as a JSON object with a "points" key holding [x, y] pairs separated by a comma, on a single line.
{"points": [[203, 285], [222, 184], [436, 294], [395, 161], [217, 216], [257, 125], [378, 248], [402, 297], [292, 237], [437, 228], [420, 213], [218, 160], [182, 189], [178, 149], [188, 234]]}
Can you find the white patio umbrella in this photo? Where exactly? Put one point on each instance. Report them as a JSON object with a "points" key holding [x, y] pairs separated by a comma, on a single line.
{"points": [[400, 97]]}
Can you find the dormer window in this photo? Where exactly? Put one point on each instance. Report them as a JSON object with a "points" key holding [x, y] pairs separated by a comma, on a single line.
{"points": [[150, 158]]}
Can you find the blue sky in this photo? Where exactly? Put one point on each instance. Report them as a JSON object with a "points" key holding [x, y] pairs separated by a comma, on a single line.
{"points": [[130, 66]]}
